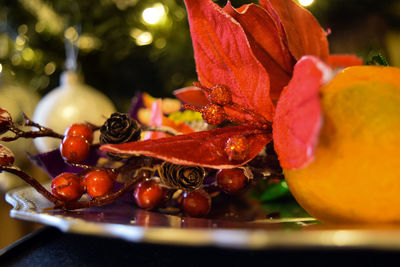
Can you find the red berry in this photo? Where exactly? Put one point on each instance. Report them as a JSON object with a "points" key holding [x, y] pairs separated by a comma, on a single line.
{"points": [[74, 148], [98, 183], [231, 181], [220, 94], [80, 129], [113, 175], [6, 156], [67, 187], [237, 148], [213, 114], [5, 120], [148, 194], [196, 203]]}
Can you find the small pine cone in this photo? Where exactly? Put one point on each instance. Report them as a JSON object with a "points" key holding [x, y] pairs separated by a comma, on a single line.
{"points": [[119, 128], [181, 177], [5, 120]]}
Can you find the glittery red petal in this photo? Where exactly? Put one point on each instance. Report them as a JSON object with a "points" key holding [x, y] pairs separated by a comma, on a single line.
{"points": [[298, 114], [223, 56], [304, 34], [205, 148], [268, 42]]}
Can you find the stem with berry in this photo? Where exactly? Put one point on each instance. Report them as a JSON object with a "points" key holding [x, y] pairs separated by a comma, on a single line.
{"points": [[153, 182]]}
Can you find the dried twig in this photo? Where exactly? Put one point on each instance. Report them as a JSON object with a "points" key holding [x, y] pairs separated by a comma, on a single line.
{"points": [[42, 131], [163, 129], [31, 181]]}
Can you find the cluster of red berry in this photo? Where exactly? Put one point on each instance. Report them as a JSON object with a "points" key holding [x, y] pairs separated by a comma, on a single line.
{"points": [[148, 194], [75, 146], [71, 187], [219, 95], [220, 100], [173, 186]]}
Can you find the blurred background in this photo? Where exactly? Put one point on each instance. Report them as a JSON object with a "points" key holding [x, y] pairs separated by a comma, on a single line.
{"points": [[121, 47]]}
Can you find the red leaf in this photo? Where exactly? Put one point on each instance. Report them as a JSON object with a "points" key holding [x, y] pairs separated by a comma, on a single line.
{"points": [[298, 116], [343, 61], [304, 34], [268, 42], [200, 148], [223, 56], [192, 95]]}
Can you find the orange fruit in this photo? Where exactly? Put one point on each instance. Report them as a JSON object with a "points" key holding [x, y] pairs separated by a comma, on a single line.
{"points": [[355, 175]]}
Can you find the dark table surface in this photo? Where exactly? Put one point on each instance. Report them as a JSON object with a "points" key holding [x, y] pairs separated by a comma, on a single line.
{"points": [[50, 247]]}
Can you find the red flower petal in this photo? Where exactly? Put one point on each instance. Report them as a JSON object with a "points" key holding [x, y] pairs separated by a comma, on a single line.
{"points": [[156, 119], [268, 43], [223, 56], [181, 127], [298, 114], [192, 95], [264, 31], [205, 149], [159, 119], [343, 61], [304, 34]]}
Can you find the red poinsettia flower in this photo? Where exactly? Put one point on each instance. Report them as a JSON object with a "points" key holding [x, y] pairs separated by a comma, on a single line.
{"points": [[298, 117], [244, 58], [279, 33]]}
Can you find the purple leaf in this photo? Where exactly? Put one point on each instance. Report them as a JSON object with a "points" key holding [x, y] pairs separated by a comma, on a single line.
{"points": [[53, 164], [136, 104]]}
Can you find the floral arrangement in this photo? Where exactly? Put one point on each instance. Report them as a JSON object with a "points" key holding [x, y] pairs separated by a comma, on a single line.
{"points": [[260, 70]]}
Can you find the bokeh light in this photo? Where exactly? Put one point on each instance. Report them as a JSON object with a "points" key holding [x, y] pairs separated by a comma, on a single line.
{"points": [[141, 37], [144, 38], [154, 15], [71, 34], [306, 2], [28, 54], [49, 68]]}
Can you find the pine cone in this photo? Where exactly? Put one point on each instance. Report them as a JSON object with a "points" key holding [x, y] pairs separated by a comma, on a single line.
{"points": [[119, 128], [5, 121], [181, 177]]}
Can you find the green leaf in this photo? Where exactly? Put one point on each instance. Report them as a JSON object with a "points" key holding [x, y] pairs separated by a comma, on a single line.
{"points": [[275, 191], [378, 60], [287, 208]]}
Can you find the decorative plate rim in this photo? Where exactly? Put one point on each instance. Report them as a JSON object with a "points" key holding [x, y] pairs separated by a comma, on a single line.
{"points": [[346, 238]]}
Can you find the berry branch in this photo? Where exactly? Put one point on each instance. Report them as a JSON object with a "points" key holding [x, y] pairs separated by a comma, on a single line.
{"points": [[152, 180], [102, 200], [220, 97], [31, 181], [42, 131], [140, 174]]}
